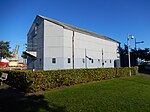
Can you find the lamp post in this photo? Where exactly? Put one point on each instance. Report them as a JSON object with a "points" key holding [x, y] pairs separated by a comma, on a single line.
{"points": [[135, 48], [128, 43], [141, 42]]}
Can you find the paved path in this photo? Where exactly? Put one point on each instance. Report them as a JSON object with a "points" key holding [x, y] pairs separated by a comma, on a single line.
{"points": [[145, 75], [10, 98], [9, 92]]}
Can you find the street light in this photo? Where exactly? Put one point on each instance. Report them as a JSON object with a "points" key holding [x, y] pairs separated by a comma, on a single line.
{"points": [[141, 42], [135, 48], [128, 42]]}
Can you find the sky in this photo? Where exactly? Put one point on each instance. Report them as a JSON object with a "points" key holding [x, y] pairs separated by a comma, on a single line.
{"points": [[113, 18]]}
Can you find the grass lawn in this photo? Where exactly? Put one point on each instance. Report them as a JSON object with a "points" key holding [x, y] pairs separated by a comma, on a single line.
{"points": [[116, 95]]}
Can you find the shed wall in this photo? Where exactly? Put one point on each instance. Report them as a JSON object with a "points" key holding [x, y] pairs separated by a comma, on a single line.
{"points": [[91, 47], [35, 42], [55, 42], [53, 46]]}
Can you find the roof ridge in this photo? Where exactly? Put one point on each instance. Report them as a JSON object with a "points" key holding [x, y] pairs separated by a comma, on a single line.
{"points": [[74, 28]]}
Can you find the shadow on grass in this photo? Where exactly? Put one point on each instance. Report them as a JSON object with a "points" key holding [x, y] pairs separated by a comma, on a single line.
{"points": [[13, 101]]}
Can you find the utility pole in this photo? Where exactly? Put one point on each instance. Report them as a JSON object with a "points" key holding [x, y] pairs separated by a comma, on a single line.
{"points": [[136, 48], [73, 50], [128, 43], [85, 59], [138, 43], [102, 59]]}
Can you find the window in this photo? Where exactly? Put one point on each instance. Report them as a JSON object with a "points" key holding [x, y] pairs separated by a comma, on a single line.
{"points": [[99, 60], [53, 60], [92, 61], [110, 61], [83, 60], [40, 61], [69, 60], [102, 64], [105, 61], [35, 30]]}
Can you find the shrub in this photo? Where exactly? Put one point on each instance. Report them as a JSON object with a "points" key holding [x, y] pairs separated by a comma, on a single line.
{"points": [[29, 81]]}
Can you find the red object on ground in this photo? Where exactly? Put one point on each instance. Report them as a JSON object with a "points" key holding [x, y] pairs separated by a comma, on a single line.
{"points": [[3, 63]]}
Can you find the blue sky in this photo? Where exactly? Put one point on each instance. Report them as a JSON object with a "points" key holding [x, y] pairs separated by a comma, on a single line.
{"points": [[112, 18]]}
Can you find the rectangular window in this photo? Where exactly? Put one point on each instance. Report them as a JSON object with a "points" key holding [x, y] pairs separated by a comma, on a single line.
{"points": [[40, 61], [69, 60], [102, 64], [92, 61], [110, 61], [99, 60], [35, 30], [83, 60], [53, 60]]}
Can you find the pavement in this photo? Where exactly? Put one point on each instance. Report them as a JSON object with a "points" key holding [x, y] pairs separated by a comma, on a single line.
{"points": [[9, 92], [10, 98], [145, 75]]}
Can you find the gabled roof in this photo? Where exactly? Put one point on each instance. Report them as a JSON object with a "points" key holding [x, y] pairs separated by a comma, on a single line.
{"points": [[73, 28]]}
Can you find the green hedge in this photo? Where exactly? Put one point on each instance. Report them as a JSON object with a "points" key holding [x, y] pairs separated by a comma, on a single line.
{"points": [[29, 81]]}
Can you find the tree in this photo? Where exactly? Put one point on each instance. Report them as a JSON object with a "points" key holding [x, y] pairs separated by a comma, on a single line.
{"points": [[144, 54], [24, 56], [4, 50], [124, 56]]}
